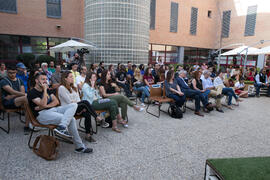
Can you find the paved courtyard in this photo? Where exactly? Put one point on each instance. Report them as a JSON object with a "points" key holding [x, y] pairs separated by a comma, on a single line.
{"points": [[150, 148]]}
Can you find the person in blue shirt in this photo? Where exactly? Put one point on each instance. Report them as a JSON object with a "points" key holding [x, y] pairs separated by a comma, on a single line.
{"points": [[22, 74]]}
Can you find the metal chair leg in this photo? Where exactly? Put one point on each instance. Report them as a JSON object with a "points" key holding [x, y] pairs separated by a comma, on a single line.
{"points": [[152, 113], [29, 141], [8, 128]]}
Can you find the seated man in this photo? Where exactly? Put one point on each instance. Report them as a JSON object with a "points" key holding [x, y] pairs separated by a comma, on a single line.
{"points": [[44, 107], [56, 77], [13, 92], [208, 84], [190, 93], [260, 82], [220, 87]]}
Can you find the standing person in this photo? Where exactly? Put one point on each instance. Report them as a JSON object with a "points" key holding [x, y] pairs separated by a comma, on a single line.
{"points": [[81, 78], [3, 71], [56, 77], [122, 81], [13, 93], [44, 106], [107, 90], [51, 67], [173, 90], [91, 94], [23, 75], [68, 93], [74, 71]]}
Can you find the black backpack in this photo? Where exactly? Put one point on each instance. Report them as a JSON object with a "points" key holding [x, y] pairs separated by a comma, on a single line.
{"points": [[174, 111]]}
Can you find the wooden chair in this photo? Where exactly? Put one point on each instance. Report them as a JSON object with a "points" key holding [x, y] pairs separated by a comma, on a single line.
{"points": [[8, 111], [157, 94], [35, 123]]}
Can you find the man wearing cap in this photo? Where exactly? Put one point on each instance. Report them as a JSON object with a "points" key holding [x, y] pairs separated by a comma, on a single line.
{"points": [[22, 74]]}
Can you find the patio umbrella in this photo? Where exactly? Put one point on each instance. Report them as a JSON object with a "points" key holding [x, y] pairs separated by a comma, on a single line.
{"points": [[71, 45], [265, 50], [241, 50]]}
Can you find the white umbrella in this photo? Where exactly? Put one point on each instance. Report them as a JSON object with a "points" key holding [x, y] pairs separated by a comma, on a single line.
{"points": [[71, 45], [241, 50]]}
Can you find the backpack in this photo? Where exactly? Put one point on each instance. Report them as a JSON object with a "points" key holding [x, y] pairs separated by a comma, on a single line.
{"points": [[48, 147], [174, 111], [251, 91]]}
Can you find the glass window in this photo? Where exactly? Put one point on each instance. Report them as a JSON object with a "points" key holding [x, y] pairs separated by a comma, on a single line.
{"points": [[9, 47], [171, 54], [54, 8], [9, 6]]}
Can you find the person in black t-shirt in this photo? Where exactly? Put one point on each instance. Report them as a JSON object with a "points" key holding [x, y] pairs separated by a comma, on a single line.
{"points": [[13, 93], [44, 107], [121, 81], [100, 69]]}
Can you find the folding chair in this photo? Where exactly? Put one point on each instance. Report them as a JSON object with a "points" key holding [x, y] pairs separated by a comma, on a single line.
{"points": [[157, 94]]}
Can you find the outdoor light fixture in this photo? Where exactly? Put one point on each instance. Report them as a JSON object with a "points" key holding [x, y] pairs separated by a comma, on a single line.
{"points": [[58, 26]]}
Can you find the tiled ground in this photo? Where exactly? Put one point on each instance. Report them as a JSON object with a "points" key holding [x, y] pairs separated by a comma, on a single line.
{"points": [[150, 148]]}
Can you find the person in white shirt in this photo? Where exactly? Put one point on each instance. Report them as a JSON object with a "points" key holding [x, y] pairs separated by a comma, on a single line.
{"points": [[239, 88], [220, 87], [208, 84], [81, 78]]}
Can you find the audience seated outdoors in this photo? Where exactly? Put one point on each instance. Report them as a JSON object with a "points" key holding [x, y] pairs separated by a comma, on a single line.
{"points": [[44, 106], [91, 94], [173, 90], [261, 81], [13, 93], [220, 87], [193, 94], [239, 88], [68, 93], [108, 90]]}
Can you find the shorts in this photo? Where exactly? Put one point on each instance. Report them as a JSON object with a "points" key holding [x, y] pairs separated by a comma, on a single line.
{"points": [[238, 91], [9, 103]]}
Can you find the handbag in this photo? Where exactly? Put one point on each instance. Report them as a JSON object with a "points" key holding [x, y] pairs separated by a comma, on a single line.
{"points": [[48, 147]]}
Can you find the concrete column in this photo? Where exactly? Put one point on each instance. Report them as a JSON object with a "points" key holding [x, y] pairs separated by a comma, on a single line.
{"points": [[260, 62], [181, 53]]}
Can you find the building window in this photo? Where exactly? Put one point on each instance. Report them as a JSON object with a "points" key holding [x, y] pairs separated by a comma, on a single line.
{"points": [[8, 6], [226, 20], [153, 14], [209, 14], [174, 17], [251, 21], [193, 21], [54, 8]]}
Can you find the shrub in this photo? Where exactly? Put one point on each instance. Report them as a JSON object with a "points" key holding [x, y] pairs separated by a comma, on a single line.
{"points": [[26, 58], [45, 58]]}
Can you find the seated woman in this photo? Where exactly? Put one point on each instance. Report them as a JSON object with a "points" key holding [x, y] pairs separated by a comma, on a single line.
{"points": [[91, 94], [173, 90], [148, 79], [68, 93], [121, 81], [239, 88], [107, 90], [196, 84], [139, 86]]}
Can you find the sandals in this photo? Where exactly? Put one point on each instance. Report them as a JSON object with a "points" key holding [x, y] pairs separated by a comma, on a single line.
{"points": [[116, 129], [123, 122]]}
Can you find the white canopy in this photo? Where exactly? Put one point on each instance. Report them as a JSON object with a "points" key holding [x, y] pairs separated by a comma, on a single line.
{"points": [[242, 49], [71, 45], [265, 50]]}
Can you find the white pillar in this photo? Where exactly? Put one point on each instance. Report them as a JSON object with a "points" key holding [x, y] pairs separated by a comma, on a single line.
{"points": [[260, 62], [181, 53]]}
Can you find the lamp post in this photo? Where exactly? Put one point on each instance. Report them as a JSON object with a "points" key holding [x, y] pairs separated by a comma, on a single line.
{"points": [[219, 51]]}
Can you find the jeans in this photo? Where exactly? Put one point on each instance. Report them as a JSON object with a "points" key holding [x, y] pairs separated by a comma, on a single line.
{"points": [[62, 116], [111, 106], [197, 96], [205, 94], [179, 100], [230, 93], [126, 88], [87, 114], [143, 90], [259, 86], [122, 102]]}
